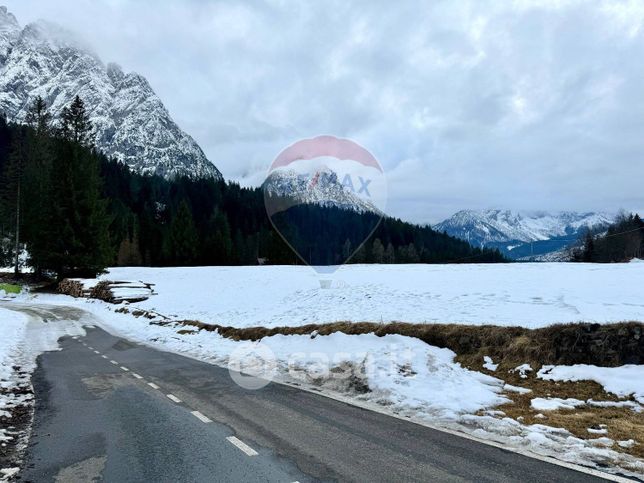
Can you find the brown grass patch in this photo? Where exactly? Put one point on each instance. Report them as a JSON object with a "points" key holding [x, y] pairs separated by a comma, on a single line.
{"points": [[621, 423], [602, 345]]}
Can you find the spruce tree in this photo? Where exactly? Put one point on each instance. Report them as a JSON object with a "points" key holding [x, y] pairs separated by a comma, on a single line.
{"points": [[75, 123], [79, 227], [38, 117], [347, 250], [183, 236], [37, 212], [218, 244], [11, 193], [390, 255], [378, 251]]}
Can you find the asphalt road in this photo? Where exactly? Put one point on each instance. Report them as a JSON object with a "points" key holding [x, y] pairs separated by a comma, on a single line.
{"points": [[98, 420]]}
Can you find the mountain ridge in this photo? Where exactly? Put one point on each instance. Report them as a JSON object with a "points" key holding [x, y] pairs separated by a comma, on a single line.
{"points": [[131, 123], [517, 234]]}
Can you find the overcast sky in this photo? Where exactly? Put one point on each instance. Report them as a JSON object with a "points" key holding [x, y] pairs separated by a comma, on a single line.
{"points": [[467, 104]]}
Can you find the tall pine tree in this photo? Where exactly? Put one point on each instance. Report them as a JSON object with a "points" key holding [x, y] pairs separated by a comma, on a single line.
{"points": [[79, 236], [37, 213], [183, 240]]}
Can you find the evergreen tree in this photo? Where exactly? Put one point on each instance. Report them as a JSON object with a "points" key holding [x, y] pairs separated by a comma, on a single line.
{"points": [[378, 251], [75, 125], [11, 194], [129, 253], [39, 118], [347, 250], [183, 236], [360, 256], [589, 247], [79, 227], [390, 255], [37, 212], [218, 244]]}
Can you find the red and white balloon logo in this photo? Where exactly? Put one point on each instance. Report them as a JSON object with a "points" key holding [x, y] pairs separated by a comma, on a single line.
{"points": [[325, 196]]}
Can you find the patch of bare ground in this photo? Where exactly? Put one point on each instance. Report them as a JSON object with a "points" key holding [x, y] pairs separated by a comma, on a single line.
{"points": [[621, 423]]}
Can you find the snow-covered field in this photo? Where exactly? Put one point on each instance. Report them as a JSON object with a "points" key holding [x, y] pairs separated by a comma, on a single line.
{"points": [[528, 294]]}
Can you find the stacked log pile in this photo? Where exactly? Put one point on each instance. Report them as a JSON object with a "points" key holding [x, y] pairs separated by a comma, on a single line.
{"points": [[102, 291], [73, 287], [109, 291]]}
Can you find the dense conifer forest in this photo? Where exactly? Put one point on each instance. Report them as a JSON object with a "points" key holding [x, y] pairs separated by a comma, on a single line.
{"points": [[78, 212], [623, 241]]}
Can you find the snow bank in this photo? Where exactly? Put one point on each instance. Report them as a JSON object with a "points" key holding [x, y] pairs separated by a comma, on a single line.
{"points": [[12, 326], [554, 403], [397, 370], [623, 381], [526, 294]]}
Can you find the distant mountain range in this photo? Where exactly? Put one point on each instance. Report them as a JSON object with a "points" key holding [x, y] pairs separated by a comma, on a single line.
{"points": [[131, 123], [524, 235]]}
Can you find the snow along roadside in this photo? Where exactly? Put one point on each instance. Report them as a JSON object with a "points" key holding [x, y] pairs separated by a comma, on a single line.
{"points": [[23, 339]]}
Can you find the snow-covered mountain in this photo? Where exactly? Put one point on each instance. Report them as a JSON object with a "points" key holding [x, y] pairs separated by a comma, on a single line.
{"points": [[131, 123], [286, 188], [522, 234]]}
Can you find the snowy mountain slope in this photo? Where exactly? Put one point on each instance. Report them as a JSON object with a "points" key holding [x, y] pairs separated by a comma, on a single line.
{"points": [[131, 123], [286, 188], [515, 233]]}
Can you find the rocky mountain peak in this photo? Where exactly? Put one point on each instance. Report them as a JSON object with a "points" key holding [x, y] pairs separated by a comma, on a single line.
{"points": [[131, 123], [517, 234]]}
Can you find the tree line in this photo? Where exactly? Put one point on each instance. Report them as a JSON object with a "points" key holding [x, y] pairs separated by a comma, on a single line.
{"points": [[50, 194], [78, 212], [623, 241]]}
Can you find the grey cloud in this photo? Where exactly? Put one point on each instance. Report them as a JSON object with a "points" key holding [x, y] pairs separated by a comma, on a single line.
{"points": [[471, 104]]}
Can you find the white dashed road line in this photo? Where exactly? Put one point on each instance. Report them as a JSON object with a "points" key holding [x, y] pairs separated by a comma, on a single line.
{"points": [[242, 446], [201, 417]]}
